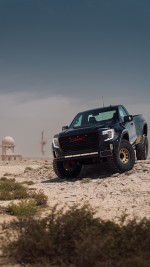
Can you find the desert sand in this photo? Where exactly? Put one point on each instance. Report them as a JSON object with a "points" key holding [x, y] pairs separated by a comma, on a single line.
{"points": [[112, 195]]}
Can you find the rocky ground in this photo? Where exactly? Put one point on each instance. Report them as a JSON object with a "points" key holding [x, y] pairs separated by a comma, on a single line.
{"points": [[111, 195]]}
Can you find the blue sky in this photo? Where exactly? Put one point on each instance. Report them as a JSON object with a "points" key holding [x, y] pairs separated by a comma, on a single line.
{"points": [[58, 57]]}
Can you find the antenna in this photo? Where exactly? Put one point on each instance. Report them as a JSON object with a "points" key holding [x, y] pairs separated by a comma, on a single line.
{"points": [[103, 101], [43, 143]]}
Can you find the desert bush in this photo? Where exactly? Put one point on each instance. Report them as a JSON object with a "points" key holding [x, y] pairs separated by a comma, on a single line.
{"points": [[3, 178], [28, 169], [28, 182], [40, 198], [23, 208], [10, 189], [76, 238], [7, 174]]}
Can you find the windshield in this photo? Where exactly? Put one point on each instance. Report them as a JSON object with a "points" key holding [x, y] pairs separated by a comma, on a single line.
{"points": [[95, 117]]}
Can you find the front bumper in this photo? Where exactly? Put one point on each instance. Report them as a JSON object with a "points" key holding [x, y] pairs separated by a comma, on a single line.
{"points": [[106, 150]]}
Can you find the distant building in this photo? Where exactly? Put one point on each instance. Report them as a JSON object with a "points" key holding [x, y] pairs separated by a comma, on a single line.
{"points": [[8, 147]]}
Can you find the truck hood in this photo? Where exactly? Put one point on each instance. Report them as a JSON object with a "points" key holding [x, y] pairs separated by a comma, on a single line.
{"points": [[84, 130]]}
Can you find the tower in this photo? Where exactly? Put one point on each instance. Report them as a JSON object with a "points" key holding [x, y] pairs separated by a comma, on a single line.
{"points": [[43, 143]]}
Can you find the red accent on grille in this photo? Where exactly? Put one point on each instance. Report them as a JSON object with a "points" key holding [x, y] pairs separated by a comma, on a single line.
{"points": [[77, 139]]}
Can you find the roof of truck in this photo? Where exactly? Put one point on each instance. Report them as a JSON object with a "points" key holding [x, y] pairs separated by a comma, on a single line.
{"points": [[105, 107]]}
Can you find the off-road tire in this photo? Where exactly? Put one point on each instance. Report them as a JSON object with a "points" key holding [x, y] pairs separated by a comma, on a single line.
{"points": [[123, 159], [62, 172], [142, 149]]}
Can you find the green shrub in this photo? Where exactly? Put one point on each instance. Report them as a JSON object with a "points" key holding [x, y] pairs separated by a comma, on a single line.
{"points": [[7, 174], [40, 198], [23, 208], [28, 182], [28, 169], [10, 189], [78, 239], [4, 178]]}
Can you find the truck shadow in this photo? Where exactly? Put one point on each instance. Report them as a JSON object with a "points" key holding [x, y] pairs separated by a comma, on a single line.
{"points": [[96, 171]]}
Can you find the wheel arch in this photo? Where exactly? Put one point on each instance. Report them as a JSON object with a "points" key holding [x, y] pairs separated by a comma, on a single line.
{"points": [[125, 136]]}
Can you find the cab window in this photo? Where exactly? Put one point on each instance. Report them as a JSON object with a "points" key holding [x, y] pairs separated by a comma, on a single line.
{"points": [[78, 121], [122, 113]]}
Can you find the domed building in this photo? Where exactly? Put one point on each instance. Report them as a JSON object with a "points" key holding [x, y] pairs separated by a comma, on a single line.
{"points": [[8, 146], [8, 142]]}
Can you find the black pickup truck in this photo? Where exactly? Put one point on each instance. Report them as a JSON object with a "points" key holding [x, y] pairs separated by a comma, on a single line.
{"points": [[108, 133]]}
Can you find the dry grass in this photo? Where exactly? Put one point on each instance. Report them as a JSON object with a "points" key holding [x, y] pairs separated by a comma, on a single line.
{"points": [[10, 189], [40, 198], [23, 208], [76, 238]]}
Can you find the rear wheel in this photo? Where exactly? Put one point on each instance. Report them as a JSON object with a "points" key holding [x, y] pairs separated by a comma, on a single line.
{"points": [[124, 158], [142, 149], [66, 169]]}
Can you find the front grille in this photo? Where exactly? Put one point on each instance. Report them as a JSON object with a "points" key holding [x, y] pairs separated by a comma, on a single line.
{"points": [[79, 142]]}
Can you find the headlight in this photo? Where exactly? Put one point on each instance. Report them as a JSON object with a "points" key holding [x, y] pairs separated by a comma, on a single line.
{"points": [[109, 134], [55, 142]]}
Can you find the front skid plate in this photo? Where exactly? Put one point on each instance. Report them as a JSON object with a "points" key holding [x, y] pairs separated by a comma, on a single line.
{"points": [[81, 155]]}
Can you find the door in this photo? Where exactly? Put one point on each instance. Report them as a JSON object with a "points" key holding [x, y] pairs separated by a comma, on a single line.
{"points": [[130, 126]]}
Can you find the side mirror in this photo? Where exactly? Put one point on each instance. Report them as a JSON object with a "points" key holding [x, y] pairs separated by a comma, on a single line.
{"points": [[64, 128], [128, 118]]}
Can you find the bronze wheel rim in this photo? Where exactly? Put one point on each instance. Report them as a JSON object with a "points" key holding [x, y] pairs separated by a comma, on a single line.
{"points": [[124, 155]]}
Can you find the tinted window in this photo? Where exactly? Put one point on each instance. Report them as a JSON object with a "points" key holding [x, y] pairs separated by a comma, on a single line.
{"points": [[101, 116], [122, 113]]}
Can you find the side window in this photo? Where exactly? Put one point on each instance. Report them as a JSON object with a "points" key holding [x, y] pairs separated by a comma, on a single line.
{"points": [[122, 113]]}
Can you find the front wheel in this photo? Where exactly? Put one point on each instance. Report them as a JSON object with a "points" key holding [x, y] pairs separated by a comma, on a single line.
{"points": [[124, 158], [66, 169]]}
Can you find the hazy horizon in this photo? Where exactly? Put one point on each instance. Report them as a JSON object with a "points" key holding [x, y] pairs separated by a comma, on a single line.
{"points": [[61, 57]]}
